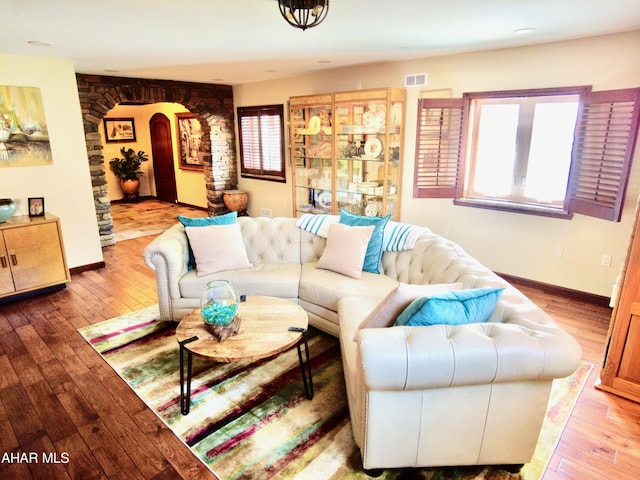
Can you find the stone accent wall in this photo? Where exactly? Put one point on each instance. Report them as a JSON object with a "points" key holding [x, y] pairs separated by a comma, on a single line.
{"points": [[213, 105]]}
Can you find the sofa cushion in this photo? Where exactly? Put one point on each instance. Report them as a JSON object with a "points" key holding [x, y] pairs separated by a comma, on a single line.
{"points": [[346, 249], [225, 219], [325, 288], [374, 248], [276, 280], [217, 248], [385, 314], [452, 308]]}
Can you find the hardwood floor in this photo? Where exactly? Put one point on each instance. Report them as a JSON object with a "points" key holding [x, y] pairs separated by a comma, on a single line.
{"points": [[58, 397], [134, 220]]}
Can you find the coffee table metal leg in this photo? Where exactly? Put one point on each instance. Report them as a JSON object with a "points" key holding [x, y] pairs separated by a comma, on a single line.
{"points": [[307, 379], [185, 397]]}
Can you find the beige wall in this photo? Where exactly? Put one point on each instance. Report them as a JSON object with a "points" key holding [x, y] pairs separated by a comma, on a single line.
{"points": [[517, 244], [190, 184], [66, 184]]}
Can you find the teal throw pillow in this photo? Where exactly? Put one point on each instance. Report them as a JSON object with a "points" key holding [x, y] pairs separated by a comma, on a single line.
{"points": [[226, 219], [455, 307], [374, 249]]}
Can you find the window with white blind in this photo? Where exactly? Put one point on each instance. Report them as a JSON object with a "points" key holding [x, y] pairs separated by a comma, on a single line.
{"points": [[549, 152], [262, 142]]}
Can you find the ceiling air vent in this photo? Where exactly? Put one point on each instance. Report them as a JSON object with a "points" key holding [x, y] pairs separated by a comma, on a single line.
{"points": [[416, 80]]}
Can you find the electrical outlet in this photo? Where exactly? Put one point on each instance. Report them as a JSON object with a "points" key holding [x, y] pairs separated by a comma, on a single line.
{"points": [[605, 261], [558, 251], [266, 212], [445, 232]]}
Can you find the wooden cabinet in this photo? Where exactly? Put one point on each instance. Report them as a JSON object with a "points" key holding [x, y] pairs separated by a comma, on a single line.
{"points": [[621, 371], [347, 152], [32, 255]]}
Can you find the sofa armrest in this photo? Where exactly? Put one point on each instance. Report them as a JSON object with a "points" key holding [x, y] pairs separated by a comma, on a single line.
{"points": [[437, 356], [168, 256]]}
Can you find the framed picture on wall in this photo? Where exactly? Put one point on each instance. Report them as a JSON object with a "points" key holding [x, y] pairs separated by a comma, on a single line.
{"points": [[190, 141], [119, 130], [36, 206]]}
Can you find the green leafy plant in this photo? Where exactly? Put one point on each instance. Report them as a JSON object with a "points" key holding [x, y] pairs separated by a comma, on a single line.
{"points": [[128, 167]]}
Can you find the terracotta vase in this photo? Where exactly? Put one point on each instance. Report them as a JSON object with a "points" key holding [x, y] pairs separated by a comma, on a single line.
{"points": [[236, 200], [130, 187]]}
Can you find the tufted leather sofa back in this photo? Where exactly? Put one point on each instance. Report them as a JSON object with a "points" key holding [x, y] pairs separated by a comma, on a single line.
{"points": [[312, 246], [271, 240], [434, 259]]}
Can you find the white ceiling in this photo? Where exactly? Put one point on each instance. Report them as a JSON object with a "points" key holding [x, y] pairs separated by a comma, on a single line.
{"points": [[240, 41]]}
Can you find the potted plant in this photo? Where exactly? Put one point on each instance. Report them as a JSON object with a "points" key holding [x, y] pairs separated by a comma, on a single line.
{"points": [[127, 169]]}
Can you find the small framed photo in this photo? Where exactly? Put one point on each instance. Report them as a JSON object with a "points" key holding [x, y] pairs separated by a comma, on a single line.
{"points": [[190, 141], [119, 130], [36, 206]]}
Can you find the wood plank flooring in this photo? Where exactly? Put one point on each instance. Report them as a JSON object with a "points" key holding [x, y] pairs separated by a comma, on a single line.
{"points": [[58, 398]]}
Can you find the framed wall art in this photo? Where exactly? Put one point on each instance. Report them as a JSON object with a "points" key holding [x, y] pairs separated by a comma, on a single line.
{"points": [[190, 141], [36, 206], [24, 135], [119, 130]]}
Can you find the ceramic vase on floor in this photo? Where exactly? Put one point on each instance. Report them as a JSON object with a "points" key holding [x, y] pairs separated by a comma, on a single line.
{"points": [[130, 187]]}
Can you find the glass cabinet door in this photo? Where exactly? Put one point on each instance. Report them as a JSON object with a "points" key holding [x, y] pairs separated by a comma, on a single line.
{"points": [[346, 150], [312, 156], [368, 146]]}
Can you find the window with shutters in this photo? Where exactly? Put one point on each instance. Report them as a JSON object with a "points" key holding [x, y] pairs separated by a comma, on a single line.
{"points": [[549, 152], [262, 142]]}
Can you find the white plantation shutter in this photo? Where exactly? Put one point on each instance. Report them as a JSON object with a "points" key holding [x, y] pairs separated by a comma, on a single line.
{"points": [[271, 134], [438, 148], [605, 141], [262, 142]]}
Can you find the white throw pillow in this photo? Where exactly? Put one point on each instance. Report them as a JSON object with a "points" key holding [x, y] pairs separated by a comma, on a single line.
{"points": [[217, 248], [345, 249], [397, 300]]}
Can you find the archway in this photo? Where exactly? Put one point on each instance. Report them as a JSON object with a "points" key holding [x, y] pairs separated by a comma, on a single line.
{"points": [[213, 105]]}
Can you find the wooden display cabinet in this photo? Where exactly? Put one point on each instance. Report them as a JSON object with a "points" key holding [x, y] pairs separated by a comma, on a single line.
{"points": [[621, 371], [347, 152], [32, 256]]}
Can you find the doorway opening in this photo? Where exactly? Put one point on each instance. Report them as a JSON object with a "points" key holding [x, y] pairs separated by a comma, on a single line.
{"points": [[211, 104], [163, 183]]}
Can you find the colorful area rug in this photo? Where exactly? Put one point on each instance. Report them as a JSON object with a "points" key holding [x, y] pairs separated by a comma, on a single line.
{"points": [[253, 421]]}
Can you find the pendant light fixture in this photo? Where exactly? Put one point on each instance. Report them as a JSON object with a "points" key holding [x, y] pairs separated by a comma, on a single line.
{"points": [[304, 14]]}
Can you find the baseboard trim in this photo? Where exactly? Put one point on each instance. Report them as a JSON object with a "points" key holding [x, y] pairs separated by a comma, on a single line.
{"points": [[591, 298], [196, 207], [86, 268]]}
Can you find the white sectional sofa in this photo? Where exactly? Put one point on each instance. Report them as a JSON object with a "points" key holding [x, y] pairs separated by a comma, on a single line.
{"points": [[473, 394]]}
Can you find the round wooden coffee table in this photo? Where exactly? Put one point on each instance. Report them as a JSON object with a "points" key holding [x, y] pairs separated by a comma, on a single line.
{"points": [[269, 326]]}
